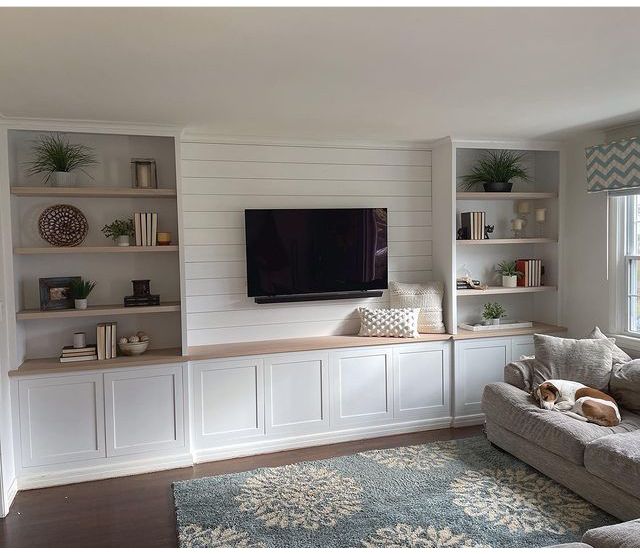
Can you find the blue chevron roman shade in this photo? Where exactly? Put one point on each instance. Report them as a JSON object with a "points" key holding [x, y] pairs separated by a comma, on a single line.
{"points": [[614, 167]]}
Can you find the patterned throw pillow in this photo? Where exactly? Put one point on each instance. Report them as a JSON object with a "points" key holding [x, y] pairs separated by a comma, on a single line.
{"points": [[389, 322], [427, 297]]}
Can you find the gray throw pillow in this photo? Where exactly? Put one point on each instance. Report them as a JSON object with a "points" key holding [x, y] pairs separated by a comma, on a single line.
{"points": [[619, 355], [587, 361], [625, 385]]}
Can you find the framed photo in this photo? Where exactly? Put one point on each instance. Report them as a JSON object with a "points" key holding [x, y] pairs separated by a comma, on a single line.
{"points": [[55, 293]]}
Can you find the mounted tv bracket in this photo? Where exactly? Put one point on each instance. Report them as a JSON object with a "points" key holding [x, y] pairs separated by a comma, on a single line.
{"points": [[317, 296]]}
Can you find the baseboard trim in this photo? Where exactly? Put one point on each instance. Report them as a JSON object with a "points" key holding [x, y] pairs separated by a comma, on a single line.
{"points": [[12, 490], [103, 471], [468, 420], [331, 437]]}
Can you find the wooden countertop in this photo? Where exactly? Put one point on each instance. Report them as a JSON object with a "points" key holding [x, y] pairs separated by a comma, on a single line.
{"points": [[300, 345], [260, 348]]}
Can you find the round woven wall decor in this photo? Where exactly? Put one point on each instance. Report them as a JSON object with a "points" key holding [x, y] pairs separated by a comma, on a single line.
{"points": [[63, 225]]}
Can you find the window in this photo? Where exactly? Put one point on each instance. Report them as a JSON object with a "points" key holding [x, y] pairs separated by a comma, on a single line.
{"points": [[631, 258]]}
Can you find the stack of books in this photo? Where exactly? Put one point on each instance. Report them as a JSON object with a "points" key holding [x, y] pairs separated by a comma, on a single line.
{"points": [[71, 354], [106, 341], [531, 272], [473, 224], [146, 228]]}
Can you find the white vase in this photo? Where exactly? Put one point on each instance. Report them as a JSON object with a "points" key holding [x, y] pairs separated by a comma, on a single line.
{"points": [[64, 179], [80, 303], [510, 281], [123, 240], [495, 321]]}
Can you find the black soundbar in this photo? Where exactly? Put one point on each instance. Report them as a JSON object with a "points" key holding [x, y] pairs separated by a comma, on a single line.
{"points": [[317, 296]]}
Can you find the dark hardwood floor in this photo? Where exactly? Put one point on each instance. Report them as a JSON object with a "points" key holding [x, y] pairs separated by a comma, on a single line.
{"points": [[138, 511]]}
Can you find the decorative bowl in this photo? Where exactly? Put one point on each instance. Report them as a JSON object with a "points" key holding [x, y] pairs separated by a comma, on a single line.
{"points": [[133, 348]]}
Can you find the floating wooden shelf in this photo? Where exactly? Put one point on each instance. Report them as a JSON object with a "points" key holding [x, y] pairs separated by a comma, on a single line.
{"points": [[503, 290], [505, 195], [93, 192], [489, 242], [53, 365], [93, 249], [91, 311], [546, 328]]}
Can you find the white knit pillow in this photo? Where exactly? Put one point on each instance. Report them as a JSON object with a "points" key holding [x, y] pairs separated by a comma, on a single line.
{"points": [[389, 322], [427, 297]]}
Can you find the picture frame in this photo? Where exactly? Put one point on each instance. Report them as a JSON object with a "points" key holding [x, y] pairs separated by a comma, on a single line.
{"points": [[55, 293]]}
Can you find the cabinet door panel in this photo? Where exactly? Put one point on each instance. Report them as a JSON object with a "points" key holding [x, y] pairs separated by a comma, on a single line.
{"points": [[362, 386], [61, 419], [228, 401], [144, 410], [478, 363], [297, 393], [421, 381], [522, 346]]}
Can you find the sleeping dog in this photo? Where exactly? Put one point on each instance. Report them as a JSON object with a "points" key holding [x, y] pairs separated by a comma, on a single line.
{"points": [[578, 401]]}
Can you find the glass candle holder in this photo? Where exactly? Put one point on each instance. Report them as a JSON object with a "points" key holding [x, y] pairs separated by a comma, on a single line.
{"points": [[517, 225]]}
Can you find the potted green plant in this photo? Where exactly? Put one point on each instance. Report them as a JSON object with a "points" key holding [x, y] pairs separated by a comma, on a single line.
{"points": [[495, 170], [119, 230], [510, 274], [492, 312], [80, 290], [57, 158]]}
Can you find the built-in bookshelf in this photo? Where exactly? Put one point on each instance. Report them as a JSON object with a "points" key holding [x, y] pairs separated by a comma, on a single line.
{"points": [[104, 194], [479, 258]]}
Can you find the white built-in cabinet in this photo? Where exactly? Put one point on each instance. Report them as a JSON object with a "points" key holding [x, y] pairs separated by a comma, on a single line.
{"points": [[91, 415], [61, 419], [173, 414], [479, 362], [228, 401], [421, 382], [297, 394], [362, 386], [318, 393], [143, 410]]}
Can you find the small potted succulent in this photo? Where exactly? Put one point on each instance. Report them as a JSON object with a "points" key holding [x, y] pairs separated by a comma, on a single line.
{"points": [[57, 158], [80, 290], [509, 273], [495, 170], [492, 312], [120, 231]]}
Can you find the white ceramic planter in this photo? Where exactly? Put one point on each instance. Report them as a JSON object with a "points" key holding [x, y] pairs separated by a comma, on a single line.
{"points": [[64, 179], [510, 281], [123, 240], [80, 303]]}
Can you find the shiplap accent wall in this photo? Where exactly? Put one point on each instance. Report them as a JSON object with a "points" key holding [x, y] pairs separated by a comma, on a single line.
{"points": [[220, 180]]}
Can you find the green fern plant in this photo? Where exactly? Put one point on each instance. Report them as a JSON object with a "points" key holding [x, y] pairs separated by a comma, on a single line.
{"points": [[507, 268], [81, 289], [54, 153], [496, 166]]}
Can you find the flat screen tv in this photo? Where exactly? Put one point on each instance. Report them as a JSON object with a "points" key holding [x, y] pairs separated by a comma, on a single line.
{"points": [[302, 253]]}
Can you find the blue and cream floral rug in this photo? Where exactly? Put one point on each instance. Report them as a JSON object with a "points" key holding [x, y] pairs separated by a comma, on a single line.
{"points": [[463, 493]]}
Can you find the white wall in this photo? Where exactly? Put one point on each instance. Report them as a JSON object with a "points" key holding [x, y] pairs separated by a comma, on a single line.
{"points": [[7, 469], [220, 180]]}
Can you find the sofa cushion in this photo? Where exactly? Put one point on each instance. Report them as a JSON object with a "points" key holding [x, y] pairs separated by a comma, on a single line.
{"points": [[616, 459], [622, 535], [624, 385], [587, 361], [619, 356], [515, 410]]}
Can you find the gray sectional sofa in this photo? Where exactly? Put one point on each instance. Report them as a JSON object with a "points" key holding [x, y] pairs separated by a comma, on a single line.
{"points": [[601, 464]]}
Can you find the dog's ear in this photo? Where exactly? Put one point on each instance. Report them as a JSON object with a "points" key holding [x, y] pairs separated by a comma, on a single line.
{"points": [[552, 388]]}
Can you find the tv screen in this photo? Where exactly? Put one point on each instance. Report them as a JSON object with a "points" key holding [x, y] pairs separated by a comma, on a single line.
{"points": [[315, 251]]}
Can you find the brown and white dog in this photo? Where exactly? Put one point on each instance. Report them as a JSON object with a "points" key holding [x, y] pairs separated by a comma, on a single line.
{"points": [[578, 401]]}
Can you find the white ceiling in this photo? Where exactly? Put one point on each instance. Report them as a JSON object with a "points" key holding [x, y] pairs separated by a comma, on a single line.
{"points": [[398, 73]]}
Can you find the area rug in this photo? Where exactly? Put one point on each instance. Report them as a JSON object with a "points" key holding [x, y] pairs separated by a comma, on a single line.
{"points": [[463, 493]]}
